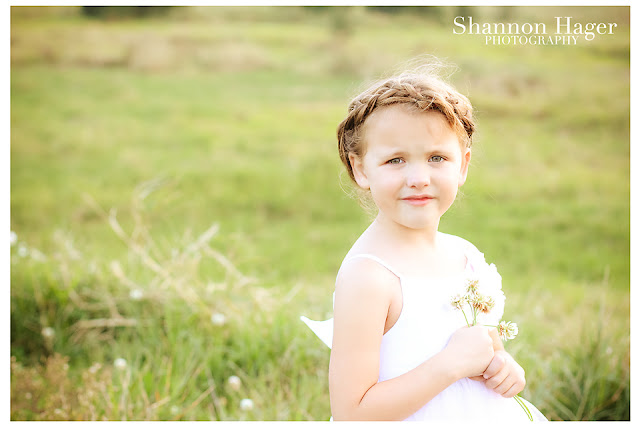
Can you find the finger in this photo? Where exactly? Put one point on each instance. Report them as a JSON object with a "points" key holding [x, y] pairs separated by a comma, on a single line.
{"points": [[496, 365], [497, 380], [497, 342], [506, 385], [513, 390], [517, 387]]}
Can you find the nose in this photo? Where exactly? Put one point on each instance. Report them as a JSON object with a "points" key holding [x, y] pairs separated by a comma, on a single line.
{"points": [[418, 176]]}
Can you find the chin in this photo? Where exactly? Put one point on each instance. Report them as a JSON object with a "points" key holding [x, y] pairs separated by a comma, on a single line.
{"points": [[418, 225]]}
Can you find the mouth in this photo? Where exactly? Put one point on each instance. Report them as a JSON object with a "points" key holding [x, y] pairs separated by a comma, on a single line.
{"points": [[418, 200]]}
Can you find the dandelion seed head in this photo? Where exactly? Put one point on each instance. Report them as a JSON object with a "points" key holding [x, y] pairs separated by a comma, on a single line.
{"points": [[120, 363], [23, 250], [174, 410], [246, 404], [95, 368], [135, 294], [483, 303], [507, 330], [36, 255], [48, 332], [218, 319], [472, 286], [13, 238], [475, 300], [458, 300], [234, 382]]}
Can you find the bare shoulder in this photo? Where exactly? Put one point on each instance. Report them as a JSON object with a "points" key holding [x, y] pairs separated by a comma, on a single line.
{"points": [[364, 278], [362, 301]]}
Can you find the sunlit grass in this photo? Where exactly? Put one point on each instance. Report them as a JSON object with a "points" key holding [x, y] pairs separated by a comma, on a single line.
{"points": [[229, 117]]}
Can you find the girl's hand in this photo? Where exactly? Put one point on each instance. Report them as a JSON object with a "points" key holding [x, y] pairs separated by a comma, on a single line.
{"points": [[471, 350], [503, 375]]}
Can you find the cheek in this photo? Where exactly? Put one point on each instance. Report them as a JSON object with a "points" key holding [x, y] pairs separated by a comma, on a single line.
{"points": [[386, 185], [450, 179]]}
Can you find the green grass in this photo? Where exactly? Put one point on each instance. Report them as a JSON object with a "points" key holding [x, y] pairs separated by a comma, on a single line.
{"points": [[228, 116]]}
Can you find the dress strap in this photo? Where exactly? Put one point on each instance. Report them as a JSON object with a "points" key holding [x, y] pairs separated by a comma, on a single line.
{"points": [[376, 259]]}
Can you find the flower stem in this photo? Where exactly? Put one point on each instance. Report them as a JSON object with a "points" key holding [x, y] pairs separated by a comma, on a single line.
{"points": [[524, 406], [465, 317], [473, 311]]}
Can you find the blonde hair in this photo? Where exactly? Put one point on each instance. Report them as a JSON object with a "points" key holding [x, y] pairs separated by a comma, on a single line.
{"points": [[422, 90]]}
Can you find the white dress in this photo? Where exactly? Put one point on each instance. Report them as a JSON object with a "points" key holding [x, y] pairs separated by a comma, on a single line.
{"points": [[427, 321]]}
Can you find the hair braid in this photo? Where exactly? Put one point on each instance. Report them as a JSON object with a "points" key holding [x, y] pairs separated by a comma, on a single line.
{"points": [[422, 92]]}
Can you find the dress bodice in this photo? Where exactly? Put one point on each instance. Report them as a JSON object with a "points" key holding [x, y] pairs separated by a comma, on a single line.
{"points": [[428, 319], [426, 322]]}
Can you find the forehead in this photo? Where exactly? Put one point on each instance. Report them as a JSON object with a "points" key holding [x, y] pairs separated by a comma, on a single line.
{"points": [[400, 125]]}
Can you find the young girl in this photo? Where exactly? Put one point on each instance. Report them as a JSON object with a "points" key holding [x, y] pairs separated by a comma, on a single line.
{"points": [[399, 348]]}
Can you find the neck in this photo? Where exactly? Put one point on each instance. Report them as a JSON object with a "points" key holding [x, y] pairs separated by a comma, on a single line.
{"points": [[404, 237]]}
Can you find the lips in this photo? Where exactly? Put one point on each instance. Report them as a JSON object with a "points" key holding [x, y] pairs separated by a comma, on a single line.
{"points": [[418, 200]]}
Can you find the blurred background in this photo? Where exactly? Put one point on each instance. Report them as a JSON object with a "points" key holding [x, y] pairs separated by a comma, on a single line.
{"points": [[177, 202]]}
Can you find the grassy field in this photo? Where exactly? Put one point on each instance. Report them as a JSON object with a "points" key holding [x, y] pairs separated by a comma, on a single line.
{"points": [[178, 202]]}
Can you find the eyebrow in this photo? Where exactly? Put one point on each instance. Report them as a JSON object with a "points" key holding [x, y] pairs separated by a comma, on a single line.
{"points": [[391, 153]]}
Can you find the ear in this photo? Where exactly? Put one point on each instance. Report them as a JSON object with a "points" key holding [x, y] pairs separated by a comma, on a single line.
{"points": [[358, 171], [464, 167]]}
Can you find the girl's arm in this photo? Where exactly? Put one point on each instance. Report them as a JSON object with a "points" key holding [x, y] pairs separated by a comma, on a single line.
{"points": [[363, 297]]}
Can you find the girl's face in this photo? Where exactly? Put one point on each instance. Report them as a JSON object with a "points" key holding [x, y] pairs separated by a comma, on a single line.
{"points": [[413, 165]]}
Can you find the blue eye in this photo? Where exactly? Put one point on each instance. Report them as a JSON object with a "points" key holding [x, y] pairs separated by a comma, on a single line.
{"points": [[395, 161], [437, 159]]}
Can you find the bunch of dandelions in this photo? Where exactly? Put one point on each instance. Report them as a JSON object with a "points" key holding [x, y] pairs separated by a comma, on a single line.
{"points": [[479, 303]]}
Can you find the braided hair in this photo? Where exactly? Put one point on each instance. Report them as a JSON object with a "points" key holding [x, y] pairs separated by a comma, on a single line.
{"points": [[421, 92]]}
